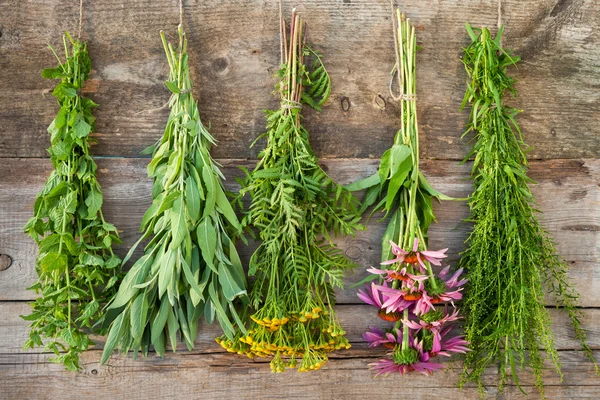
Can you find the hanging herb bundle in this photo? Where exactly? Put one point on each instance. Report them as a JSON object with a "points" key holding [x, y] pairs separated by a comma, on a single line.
{"points": [[77, 270], [190, 266], [411, 290], [294, 207], [510, 259]]}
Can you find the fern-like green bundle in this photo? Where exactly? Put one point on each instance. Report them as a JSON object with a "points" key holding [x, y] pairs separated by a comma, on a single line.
{"points": [[190, 266], [77, 270], [294, 207], [510, 259]]}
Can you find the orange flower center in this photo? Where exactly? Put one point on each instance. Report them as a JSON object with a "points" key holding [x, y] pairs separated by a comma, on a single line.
{"points": [[397, 275], [436, 300], [390, 345], [390, 317], [412, 296], [411, 258]]}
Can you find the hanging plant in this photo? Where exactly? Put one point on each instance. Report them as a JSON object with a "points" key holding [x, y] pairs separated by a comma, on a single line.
{"points": [[294, 207], [510, 259], [190, 267], [77, 270], [417, 300]]}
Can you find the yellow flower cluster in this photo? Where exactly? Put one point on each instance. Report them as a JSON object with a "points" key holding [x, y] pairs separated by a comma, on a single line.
{"points": [[309, 335]]}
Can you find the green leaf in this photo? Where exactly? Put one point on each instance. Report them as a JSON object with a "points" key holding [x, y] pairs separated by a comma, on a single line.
{"points": [[397, 181], [172, 87], [173, 326], [211, 195], [166, 271], [192, 281], [229, 286], [158, 325], [114, 334], [53, 262], [52, 73], [192, 199], [138, 314], [207, 240], [365, 183], [179, 228], [226, 209], [384, 166], [82, 129], [136, 274], [220, 311], [94, 202]]}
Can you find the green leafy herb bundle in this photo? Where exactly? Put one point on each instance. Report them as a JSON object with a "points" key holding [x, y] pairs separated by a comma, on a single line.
{"points": [[294, 207], [510, 259], [77, 270], [190, 266], [398, 187]]}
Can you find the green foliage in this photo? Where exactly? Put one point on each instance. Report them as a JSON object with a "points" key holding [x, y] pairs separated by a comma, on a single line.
{"points": [[190, 267], [294, 207], [398, 187], [510, 259], [77, 270]]}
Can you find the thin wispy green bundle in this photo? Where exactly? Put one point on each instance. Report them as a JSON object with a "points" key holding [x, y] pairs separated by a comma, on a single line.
{"points": [[510, 259], [190, 267], [77, 270], [294, 207]]}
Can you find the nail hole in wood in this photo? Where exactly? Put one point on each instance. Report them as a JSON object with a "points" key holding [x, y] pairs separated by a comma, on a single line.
{"points": [[345, 102], [553, 132], [220, 65], [5, 261], [94, 372], [380, 102]]}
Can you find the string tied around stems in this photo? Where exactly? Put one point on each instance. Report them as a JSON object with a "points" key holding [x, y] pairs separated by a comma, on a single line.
{"points": [[290, 104], [80, 19]]}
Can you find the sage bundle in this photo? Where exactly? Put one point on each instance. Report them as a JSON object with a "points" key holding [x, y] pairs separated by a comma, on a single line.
{"points": [[418, 301], [510, 258], [77, 270], [294, 206], [190, 267]]}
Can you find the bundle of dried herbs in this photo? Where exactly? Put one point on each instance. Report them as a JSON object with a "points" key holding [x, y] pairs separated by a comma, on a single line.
{"points": [[417, 300], [190, 266], [294, 207], [77, 270], [510, 259]]}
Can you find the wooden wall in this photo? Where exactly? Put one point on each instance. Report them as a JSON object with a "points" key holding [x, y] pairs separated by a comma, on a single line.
{"points": [[234, 53]]}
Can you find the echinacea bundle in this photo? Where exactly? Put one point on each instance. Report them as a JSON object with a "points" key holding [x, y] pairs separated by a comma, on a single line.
{"points": [[294, 207], [418, 301]]}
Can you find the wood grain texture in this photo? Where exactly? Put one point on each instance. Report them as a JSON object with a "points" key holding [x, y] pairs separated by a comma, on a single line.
{"points": [[234, 54], [217, 374], [567, 189]]}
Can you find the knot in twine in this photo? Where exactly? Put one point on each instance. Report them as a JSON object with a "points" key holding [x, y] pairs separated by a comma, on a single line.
{"points": [[290, 104]]}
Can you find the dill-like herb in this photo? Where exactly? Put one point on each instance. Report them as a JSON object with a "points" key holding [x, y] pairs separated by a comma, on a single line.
{"points": [[294, 207], [510, 259]]}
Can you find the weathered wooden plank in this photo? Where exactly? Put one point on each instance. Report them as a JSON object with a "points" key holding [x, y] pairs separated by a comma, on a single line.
{"points": [[567, 191], [226, 376], [234, 52]]}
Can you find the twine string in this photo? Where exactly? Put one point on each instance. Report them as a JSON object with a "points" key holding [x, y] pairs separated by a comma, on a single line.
{"points": [[181, 13], [402, 95], [290, 104], [80, 18]]}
